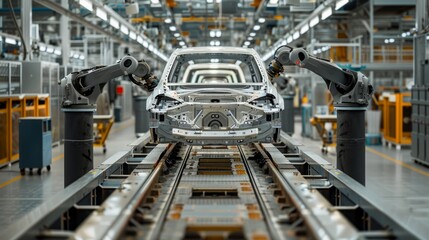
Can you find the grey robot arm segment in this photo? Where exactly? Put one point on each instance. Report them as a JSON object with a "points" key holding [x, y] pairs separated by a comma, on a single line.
{"points": [[83, 87]]}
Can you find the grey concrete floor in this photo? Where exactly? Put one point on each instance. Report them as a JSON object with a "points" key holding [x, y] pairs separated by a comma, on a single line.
{"points": [[390, 174], [19, 194]]}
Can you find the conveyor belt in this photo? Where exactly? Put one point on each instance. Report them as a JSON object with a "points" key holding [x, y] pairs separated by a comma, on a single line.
{"points": [[171, 191]]}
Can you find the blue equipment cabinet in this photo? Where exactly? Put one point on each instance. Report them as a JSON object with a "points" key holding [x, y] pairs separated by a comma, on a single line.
{"points": [[35, 144]]}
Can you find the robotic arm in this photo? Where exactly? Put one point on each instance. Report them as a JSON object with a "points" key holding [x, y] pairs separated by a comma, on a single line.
{"points": [[83, 88], [346, 86]]}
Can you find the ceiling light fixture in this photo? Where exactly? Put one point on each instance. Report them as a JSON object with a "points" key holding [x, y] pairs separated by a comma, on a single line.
{"points": [[114, 23], [168, 20], [256, 27], [304, 29], [295, 35], [252, 34], [314, 21], [101, 14], [173, 28], [326, 13], [10, 41], [261, 20], [86, 4], [133, 35], [124, 30], [340, 4]]}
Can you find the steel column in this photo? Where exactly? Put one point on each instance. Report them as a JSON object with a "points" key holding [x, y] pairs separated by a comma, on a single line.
{"points": [[26, 21]]}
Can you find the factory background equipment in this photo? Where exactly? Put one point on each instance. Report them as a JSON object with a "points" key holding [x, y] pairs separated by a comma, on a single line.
{"points": [[35, 145]]}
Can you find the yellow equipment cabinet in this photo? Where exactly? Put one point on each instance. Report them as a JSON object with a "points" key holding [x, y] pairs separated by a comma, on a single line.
{"points": [[329, 136], [397, 119], [43, 108], [4, 131], [12, 108], [16, 111]]}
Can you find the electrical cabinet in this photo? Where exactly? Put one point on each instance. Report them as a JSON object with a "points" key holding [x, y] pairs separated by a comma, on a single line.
{"points": [[43, 77], [35, 141], [10, 77]]}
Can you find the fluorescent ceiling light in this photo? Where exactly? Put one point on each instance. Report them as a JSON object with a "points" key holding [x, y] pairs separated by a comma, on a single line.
{"points": [[246, 43], [57, 52], [124, 29], [10, 41], [252, 34], [261, 20], [168, 20], [101, 14], [314, 21], [173, 28], [145, 44], [81, 57], [150, 48], [177, 35], [273, 3], [214, 60], [340, 4], [304, 29], [114, 23], [76, 55], [209, 1], [289, 39], [250, 38], [140, 39], [50, 49], [42, 48], [182, 43], [283, 42], [86, 4], [212, 34], [218, 33], [326, 13], [256, 27], [391, 40], [133, 35], [295, 36]]}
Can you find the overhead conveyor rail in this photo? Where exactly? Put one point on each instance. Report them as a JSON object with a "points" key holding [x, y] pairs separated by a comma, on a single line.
{"points": [[172, 191]]}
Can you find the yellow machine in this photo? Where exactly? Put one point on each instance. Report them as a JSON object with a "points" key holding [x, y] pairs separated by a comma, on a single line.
{"points": [[396, 118], [103, 124], [329, 136]]}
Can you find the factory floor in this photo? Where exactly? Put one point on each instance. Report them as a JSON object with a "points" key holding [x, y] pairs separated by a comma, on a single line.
{"points": [[390, 174]]}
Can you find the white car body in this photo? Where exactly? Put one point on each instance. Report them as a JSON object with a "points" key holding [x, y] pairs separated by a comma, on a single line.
{"points": [[215, 113]]}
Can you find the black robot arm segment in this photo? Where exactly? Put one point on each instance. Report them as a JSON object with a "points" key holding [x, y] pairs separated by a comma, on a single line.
{"points": [[281, 58], [88, 79], [331, 73], [347, 87], [84, 87]]}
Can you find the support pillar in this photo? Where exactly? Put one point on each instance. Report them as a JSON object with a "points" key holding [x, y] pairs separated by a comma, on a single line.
{"points": [[65, 34], [26, 21], [351, 142], [78, 142]]}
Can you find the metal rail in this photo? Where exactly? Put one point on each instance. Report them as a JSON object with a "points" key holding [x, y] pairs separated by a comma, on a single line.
{"points": [[155, 233], [268, 219]]}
